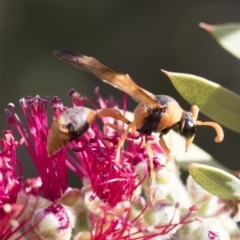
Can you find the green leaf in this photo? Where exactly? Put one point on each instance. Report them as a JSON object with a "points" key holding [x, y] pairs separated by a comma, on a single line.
{"points": [[215, 101], [227, 35], [216, 181]]}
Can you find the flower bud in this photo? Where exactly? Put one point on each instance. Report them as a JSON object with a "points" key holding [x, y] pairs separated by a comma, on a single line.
{"points": [[210, 229], [92, 202], [161, 212], [163, 176], [137, 206], [55, 222], [207, 203], [186, 231], [71, 197], [197, 193]]}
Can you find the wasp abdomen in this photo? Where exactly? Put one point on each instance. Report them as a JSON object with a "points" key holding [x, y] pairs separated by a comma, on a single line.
{"points": [[151, 122], [70, 125], [76, 120]]}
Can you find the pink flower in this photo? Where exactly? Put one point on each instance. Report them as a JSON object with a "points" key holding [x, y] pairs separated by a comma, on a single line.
{"points": [[110, 203]]}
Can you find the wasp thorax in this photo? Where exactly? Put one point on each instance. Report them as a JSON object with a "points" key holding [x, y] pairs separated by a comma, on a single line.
{"points": [[187, 126], [149, 119]]}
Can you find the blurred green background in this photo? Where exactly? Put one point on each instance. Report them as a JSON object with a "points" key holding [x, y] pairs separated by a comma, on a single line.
{"points": [[135, 37]]}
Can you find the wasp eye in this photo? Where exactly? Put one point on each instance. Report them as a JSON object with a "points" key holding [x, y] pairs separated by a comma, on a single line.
{"points": [[187, 127]]}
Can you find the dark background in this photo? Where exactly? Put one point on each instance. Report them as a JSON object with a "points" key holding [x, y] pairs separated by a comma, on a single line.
{"points": [[135, 37]]}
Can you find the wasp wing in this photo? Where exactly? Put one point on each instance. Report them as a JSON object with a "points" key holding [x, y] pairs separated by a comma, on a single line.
{"points": [[118, 80]]}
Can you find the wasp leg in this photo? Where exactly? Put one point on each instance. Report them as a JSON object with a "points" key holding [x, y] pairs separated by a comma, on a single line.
{"points": [[164, 145], [115, 127], [110, 112], [152, 172], [133, 127], [114, 113]]}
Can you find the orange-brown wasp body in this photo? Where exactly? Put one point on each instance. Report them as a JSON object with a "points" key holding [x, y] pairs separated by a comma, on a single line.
{"points": [[154, 113]]}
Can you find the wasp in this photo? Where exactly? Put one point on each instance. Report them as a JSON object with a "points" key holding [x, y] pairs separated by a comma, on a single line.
{"points": [[154, 113]]}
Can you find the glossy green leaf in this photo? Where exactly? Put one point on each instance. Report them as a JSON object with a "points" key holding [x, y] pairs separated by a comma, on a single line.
{"points": [[215, 101], [227, 35], [216, 181]]}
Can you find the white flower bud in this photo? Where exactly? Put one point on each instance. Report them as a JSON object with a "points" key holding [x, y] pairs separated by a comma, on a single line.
{"points": [[161, 212], [197, 193], [55, 222], [163, 176], [208, 204], [92, 202], [30, 205], [186, 231], [210, 229]]}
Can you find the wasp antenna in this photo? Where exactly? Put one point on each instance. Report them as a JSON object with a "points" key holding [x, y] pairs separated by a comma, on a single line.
{"points": [[217, 127]]}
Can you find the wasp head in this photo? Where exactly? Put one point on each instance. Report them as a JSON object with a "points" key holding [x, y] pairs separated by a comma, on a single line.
{"points": [[187, 125]]}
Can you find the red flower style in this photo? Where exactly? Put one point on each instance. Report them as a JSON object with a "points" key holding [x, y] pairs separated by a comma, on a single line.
{"points": [[51, 170], [113, 181], [10, 186]]}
